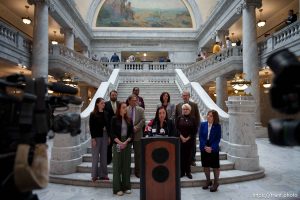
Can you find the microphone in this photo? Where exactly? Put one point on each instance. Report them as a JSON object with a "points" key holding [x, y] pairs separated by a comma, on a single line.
{"points": [[62, 88]]}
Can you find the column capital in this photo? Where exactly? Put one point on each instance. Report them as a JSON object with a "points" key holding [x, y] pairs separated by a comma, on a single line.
{"points": [[31, 2], [66, 29], [247, 3]]}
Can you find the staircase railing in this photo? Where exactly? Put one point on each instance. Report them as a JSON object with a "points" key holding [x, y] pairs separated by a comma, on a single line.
{"points": [[102, 91], [205, 103]]}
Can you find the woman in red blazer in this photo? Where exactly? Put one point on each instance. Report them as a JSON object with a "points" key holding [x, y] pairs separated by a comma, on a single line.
{"points": [[210, 136]]}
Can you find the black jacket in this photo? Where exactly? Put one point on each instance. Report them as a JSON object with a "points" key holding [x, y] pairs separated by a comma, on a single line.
{"points": [[116, 125], [168, 127], [97, 122], [108, 108]]}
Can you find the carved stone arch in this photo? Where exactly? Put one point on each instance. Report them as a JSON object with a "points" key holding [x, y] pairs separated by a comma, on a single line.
{"points": [[192, 6]]}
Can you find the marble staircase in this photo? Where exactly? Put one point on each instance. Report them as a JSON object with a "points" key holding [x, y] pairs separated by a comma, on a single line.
{"points": [[228, 174], [151, 93]]}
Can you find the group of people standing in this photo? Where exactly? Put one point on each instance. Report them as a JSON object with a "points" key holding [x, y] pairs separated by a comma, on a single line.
{"points": [[117, 126]]}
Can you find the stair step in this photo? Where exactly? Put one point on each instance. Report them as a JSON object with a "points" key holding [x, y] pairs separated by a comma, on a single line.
{"points": [[228, 176], [89, 149], [87, 166], [88, 157]]}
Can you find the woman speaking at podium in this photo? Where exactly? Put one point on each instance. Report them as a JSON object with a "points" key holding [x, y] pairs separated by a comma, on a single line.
{"points": [[160, 125]]}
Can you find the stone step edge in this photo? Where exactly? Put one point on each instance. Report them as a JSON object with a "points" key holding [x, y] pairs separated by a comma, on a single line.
{"points": [[86, 167], [135, 184], [88, 156]]}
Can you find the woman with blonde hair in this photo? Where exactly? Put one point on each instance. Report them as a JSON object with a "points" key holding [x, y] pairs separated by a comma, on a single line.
{"points": [[186, 126]]}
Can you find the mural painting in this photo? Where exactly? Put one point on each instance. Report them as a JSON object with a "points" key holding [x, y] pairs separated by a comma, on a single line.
{"points": [[144, 13]]}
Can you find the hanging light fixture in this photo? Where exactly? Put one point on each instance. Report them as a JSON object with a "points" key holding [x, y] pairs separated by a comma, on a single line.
{"points": [[260, 22], [266, 83], [67, 80], [54, 42], [239, 84], [26, 20]]}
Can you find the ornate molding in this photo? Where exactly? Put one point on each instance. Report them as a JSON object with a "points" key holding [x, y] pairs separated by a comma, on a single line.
{"points": [[67, 29], [247, 3], [51, 6], [256, 3]]}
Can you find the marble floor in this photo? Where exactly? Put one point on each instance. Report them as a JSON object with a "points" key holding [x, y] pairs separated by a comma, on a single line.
{"points": [[282, 181]]}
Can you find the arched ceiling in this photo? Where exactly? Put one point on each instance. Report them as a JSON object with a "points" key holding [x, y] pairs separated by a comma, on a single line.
{"points": [[199, 10]]}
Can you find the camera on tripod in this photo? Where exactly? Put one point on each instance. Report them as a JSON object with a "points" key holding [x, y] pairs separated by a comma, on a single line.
{"points": [[285, 97], [26, 117]]}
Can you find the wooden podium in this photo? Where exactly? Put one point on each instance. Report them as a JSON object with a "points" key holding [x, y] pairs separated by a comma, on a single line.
{"points": [[160, 168]]}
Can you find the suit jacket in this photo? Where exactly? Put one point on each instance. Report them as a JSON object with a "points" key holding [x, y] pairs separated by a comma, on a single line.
{"points": [[116, 126], [138, 122], [194, 112], [108, 108], [214, 136], [110, 112]]}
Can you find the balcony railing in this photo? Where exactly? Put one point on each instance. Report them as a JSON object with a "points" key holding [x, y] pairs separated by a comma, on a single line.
{"points": [[145, 66], [60, 57], [288, 37], [214, 64], [15, 45]]}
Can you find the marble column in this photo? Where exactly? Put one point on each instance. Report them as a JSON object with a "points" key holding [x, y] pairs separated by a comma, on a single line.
{"points": [[66, 152], [40, 39], [221, 36], [242, 149], [221, 91], [250, 54], [68, 37]]}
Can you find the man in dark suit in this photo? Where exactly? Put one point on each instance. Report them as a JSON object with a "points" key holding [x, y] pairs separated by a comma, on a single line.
{"points": [[194, 112], [110, 108]]}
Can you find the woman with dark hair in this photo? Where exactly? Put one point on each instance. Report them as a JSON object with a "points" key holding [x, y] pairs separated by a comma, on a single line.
{"points": [[161, 125], [186, 125], [165, 102], [100, 139], [210, 136], [122, 135]]}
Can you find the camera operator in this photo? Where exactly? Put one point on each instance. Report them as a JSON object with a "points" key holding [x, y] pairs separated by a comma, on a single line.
{"points": [[285, 98], [26, 116]]}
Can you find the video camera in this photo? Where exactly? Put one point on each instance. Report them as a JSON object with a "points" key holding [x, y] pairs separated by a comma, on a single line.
{"points": [[26, 117], [285, 97]]}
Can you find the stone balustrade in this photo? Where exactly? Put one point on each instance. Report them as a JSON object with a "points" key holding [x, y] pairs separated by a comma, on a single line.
{"points": [[64, 59], [15, 46], [288, 37], [145, 66], [228, 59]]}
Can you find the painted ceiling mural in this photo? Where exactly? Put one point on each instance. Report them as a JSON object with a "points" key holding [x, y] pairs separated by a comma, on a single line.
{"points": [[144, 13]]}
